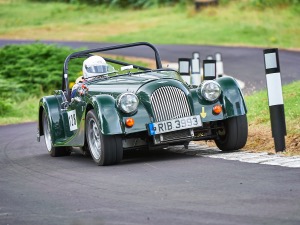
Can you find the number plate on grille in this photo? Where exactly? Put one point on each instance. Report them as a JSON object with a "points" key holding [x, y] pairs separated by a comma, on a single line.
{"points": [[173, 125]]}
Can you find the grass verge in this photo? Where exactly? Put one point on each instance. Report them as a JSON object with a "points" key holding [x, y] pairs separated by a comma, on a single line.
{"points": [[260, 135], [259, 126], [235, 23], [21, 111]]}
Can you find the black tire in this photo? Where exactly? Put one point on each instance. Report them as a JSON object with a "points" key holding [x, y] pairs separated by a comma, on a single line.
{"points": [[105, 149], [53, 151], [234, 135]]}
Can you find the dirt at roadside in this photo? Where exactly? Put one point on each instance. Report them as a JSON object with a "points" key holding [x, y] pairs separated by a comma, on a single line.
{"points": [[260, 140]]}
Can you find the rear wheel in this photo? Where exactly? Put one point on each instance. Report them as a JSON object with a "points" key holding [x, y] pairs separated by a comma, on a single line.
{"points": [[105, 149], [234, 134], [53, 151]]}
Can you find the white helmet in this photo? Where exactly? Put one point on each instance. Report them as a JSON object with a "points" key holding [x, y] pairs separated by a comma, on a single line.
{"points": [[94, 66]]}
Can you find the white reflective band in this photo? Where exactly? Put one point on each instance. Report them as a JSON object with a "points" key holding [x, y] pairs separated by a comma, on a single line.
{"points": [[209, 70], [270, 59], [65, 75], [195, 66], [274, 89], [184, 67], [220, 68], [195, 79]]}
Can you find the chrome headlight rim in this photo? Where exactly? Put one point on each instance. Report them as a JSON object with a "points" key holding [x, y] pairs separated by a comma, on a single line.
{"points": [[122, 107], [204, 90]]}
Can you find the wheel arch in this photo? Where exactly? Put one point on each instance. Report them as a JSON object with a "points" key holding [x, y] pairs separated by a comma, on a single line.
{"points": [[50, 105], [232, 97], [107, 113]]}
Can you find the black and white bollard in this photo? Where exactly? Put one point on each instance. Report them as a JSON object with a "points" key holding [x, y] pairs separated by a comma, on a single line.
{"points": [[209, 69], [196, 55], [219, 64], [184, 65], [195, 69], [275, 97]]}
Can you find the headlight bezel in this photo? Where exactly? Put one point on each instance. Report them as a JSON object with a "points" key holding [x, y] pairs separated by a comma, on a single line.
{"points": [[205, 90], [121, 103]]}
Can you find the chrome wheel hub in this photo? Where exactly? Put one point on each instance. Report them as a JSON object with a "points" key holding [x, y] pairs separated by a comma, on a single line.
{"points": [[47, 133], [94, 139]]}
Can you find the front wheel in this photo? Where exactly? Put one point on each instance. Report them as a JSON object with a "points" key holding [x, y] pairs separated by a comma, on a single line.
{"points": [[234, 134], [53, 151], [105, 149]]}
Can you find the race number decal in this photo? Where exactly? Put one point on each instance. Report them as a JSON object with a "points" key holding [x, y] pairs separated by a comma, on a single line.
{"points": [[72, 120]]}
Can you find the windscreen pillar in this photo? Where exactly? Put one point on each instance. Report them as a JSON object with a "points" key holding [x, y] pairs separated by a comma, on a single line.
{"points": [[276, 106]]}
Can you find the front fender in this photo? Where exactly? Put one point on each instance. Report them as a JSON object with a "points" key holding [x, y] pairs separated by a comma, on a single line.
{"points": [[232, 97], [105, 108], [51, 106]]}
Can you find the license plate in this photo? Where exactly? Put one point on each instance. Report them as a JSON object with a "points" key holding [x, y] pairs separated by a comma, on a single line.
{"points": [[175, 124]]}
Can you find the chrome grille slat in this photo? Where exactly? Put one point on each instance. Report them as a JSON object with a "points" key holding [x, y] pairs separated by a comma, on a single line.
{"points": [[169, 103]]}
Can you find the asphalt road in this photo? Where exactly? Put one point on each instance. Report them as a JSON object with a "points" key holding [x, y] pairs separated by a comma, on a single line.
{"points": [[151, 188], [161, 187], [245, 64]]}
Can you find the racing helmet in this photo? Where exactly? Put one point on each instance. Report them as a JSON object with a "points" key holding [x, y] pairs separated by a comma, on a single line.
{"points": [[94, 66]]}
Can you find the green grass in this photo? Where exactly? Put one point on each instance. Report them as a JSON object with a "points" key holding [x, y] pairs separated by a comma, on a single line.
{"points": [[21, 111], [230, 24], [258, 107], [260, 137]]}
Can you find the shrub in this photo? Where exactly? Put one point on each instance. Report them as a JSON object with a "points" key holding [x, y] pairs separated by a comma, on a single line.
{"points": [[34, 69], [122, 3]]}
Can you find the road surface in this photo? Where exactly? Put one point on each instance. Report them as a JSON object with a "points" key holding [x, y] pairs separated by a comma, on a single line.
{"points": [[161, 187]]}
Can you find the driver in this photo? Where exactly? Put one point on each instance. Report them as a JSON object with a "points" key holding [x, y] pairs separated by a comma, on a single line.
{"points": [[93, 66]]}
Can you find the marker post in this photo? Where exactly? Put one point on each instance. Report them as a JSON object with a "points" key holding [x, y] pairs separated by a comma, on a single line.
{"points": [[219, 64], [276, 106], [195, 69], [209, 69], [184, 65]]}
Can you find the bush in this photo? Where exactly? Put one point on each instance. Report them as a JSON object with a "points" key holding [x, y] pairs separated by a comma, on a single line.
{"points": [[263, 3], [268, 3], [30, 71], [33, 69], [122, 3]]}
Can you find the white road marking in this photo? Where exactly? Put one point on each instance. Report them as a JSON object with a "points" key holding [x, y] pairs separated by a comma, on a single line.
{"points": [[248, 157]]}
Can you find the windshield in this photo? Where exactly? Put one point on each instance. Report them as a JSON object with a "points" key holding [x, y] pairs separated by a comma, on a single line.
{"points": [[150, 74], [159, 74]]}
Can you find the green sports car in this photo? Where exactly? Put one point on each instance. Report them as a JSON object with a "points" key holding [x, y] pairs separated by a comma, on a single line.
{"points": [[126, 106]]}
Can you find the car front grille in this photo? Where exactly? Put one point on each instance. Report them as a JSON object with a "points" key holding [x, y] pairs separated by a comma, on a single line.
{"points": [[169, 103]]}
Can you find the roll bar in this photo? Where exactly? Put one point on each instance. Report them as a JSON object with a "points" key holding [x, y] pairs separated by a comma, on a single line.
{"points": [[87, 53]]}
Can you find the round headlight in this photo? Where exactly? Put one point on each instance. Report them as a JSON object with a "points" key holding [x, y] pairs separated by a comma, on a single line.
{"points": [[210, 90], [128, 102]]}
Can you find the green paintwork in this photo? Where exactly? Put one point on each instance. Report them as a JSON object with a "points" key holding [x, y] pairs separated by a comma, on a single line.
{"points": [[67, 112], [102, 97]]}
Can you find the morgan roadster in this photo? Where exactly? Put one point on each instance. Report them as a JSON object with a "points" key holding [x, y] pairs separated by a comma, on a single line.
{"points": [[134, 107]]}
